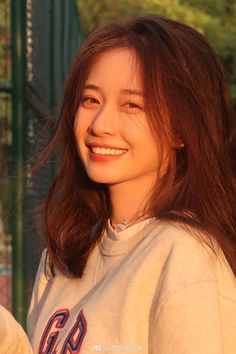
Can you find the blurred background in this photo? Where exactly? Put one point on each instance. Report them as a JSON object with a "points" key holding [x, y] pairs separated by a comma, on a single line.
{"points": [[38, 39]]}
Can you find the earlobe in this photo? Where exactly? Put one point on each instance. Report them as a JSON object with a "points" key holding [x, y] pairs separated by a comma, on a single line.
{"points": [[181, 146], [178, 142]]}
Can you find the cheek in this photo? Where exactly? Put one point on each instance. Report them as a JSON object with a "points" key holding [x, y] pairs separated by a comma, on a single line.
{"points": [[79, 137], [141, 137], [148, 148], [80, 125], [78, 120]]}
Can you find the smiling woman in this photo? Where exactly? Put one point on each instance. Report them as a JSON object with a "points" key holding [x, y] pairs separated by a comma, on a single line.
{"points": [[114, 140], [140, 220]]}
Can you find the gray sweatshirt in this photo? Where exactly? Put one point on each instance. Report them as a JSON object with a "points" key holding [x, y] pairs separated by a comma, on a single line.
{"points": [[157, 291]]}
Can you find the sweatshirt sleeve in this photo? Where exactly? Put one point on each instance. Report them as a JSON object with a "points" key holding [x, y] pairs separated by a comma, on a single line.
{"points": [[189, 321]]}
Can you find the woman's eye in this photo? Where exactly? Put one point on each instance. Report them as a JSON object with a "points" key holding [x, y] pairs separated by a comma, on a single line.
{"points": [[132, 106], [89, 101]]}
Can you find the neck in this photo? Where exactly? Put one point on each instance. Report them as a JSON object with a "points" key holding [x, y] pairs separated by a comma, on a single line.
{"points": [[128, 201]]}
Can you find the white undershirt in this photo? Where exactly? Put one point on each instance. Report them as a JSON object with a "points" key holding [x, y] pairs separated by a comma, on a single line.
{"points": [[121, 231]]}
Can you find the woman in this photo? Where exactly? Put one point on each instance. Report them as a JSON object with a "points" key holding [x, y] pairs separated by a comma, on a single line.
{"points": [[140, 219]]}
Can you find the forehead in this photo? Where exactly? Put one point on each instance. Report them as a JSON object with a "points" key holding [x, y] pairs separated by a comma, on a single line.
{"points": [[117, 67]]}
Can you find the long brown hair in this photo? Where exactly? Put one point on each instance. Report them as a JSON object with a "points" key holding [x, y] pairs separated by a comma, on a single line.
{"points": [[185, 93]]}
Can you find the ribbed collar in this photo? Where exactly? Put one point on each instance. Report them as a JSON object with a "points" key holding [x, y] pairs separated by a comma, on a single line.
{"points": [[110, 247]]}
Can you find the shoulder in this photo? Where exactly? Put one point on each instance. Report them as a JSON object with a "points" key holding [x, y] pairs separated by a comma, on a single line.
{"points": [[41, 280], [188, 258], [13, 337], [183, 243], [175, 236], [43, 269], [195, 295], [40, 285]]}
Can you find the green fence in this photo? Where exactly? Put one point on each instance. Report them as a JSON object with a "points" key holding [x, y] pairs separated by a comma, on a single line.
{"points": [[37, 42], [6, 145]]}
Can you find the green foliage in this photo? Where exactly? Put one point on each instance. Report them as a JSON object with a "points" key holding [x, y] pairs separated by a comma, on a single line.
{"points": [[216, 19]]}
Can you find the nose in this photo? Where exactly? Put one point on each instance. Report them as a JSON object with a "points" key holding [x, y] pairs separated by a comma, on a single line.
{"points": [[105, 121]]}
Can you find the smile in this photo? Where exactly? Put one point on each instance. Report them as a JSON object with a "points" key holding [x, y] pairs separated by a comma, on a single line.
{"points": [[106, 151]]}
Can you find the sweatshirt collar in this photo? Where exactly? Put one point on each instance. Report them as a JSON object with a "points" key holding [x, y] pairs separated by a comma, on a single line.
{"points": [[114, 247], [122, 231]]}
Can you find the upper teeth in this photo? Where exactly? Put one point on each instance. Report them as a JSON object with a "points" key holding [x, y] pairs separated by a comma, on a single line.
{"points": [[107, 151]]}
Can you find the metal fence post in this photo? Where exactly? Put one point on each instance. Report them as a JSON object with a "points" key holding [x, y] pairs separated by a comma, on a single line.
{"points": [[19, 124]]}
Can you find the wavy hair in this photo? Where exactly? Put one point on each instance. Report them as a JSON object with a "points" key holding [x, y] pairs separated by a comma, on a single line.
{"points": [[185, 92]]}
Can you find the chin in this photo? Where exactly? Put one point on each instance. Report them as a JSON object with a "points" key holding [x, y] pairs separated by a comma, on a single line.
{"points": [[103, 179], [99, 179]]}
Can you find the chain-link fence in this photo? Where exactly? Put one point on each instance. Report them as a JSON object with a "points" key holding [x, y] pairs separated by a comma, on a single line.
{"points": [[53, 34], [37, 42]]}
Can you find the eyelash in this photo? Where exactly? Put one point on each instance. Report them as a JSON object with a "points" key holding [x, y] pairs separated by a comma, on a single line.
{"points": [[95, 101], [132, 105], [89, 99]]}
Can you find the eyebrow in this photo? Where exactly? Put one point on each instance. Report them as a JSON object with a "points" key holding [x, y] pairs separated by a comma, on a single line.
{"points": [[124, 91]]}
